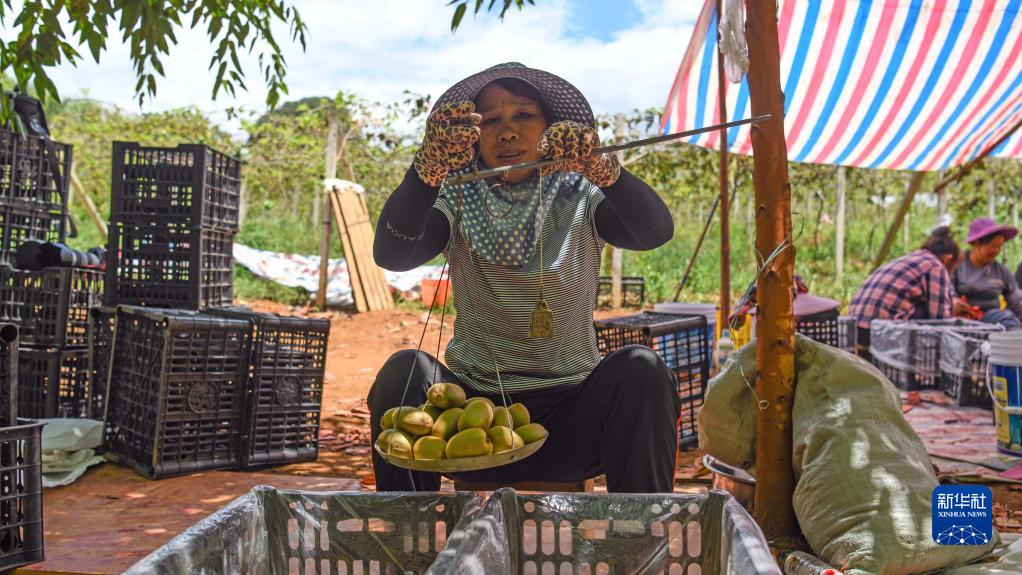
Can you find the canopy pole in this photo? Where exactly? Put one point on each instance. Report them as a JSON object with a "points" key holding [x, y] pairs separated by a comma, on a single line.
{"points": [[947, 181], [775, 321], [725, 211]]}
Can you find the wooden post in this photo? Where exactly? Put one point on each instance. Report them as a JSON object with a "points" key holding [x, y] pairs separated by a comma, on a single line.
{"points": [[775, 320], [839, 256], [725, 211], [615, 269], [941, 199], [914, 183], [329, 172], [90, 207]]}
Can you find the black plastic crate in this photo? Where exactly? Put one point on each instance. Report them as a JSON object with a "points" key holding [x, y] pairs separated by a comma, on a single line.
{"points": [[8, 374], [963, 369], [633, 291], [27, 173], [51, 306], [908, 351], [19, 224], [285, 387], [191, 184], [53, 382], [176, 391], [102, 321], [169, 265], [21, 495], [683, 343], [821, 327]]}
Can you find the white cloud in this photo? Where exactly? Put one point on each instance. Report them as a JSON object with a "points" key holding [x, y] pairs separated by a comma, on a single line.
{"points": [[379, 49]]}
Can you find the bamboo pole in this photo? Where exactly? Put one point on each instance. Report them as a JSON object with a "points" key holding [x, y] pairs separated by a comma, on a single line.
{"points": [[842, 183], [616, 253], [725, 212], [79, 190], [775, 321], [329, 172]]}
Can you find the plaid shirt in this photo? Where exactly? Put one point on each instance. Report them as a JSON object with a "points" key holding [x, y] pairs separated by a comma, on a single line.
{"points": [[915, 286]]}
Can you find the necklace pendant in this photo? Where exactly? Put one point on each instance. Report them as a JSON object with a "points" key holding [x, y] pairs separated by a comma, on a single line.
{"points": [[542, 321]]}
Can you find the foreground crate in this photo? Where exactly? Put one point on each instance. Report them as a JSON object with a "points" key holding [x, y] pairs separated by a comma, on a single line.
{"points": [[683, 343], [53, 382], [285, 387], [175, 396], [274, 531], [908, 352], [51, 306], [163, 264], [191, 185], [270, 531], [21, 495], [608, 533]]}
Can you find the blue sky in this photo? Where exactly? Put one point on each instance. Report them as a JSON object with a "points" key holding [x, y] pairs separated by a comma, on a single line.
{"points": [[622, 54]]}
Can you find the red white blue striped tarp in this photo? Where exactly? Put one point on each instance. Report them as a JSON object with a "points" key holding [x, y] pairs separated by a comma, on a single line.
{"points": [[895, 84]]}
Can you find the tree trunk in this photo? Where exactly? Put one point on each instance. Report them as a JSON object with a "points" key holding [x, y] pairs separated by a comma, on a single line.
{"points": [[725, 193], [992, 198], [775, 321]]}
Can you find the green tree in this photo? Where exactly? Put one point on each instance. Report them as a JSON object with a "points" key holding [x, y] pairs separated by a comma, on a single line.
{"points": [[47, 34]]}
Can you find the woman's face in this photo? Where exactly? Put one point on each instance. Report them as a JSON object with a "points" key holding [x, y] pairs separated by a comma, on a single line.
{"points": [[510, 129], [987, 253]]}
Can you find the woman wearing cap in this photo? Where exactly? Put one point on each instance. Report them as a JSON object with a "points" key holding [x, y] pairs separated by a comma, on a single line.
{"points": [[518, 246], [981, 280]]}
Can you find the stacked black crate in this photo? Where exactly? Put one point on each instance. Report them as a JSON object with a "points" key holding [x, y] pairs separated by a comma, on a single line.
{"points": [[50, 306], [175, 376], [33, 191], [173, 217]]}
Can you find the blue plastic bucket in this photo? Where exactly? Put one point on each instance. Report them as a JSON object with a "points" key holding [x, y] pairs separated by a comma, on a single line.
{"points": [[1005, 383]]}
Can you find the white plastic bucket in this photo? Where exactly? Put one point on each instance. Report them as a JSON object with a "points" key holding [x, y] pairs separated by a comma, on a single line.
{"points": [[1004, 380]]}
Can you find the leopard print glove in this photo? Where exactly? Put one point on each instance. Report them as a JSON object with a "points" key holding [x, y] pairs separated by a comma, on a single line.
{"points": [[451, 132], [573, 142]]}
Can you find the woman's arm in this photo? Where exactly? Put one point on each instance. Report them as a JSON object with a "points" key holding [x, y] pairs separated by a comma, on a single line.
{"points": [[410, 231], [632, 215]]}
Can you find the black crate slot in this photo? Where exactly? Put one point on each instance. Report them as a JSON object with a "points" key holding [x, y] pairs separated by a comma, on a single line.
{"points": [[8, 374], [20, 224], [285, 387], [169, 265], [27, 172], [175, 398], [821, 327], [191, 184], [53, 383], [51, 306], [21, 498], [683, 343], [101, 332]]}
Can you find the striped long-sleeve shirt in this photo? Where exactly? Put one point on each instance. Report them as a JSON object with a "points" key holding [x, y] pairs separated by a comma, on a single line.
{"points": [[914, 286]]}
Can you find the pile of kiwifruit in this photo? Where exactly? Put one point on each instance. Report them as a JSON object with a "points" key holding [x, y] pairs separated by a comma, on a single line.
{"points": [[450, 426]]}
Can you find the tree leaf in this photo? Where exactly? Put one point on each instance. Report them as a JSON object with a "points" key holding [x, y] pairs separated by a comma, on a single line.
{"points": [[459, 12]]}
